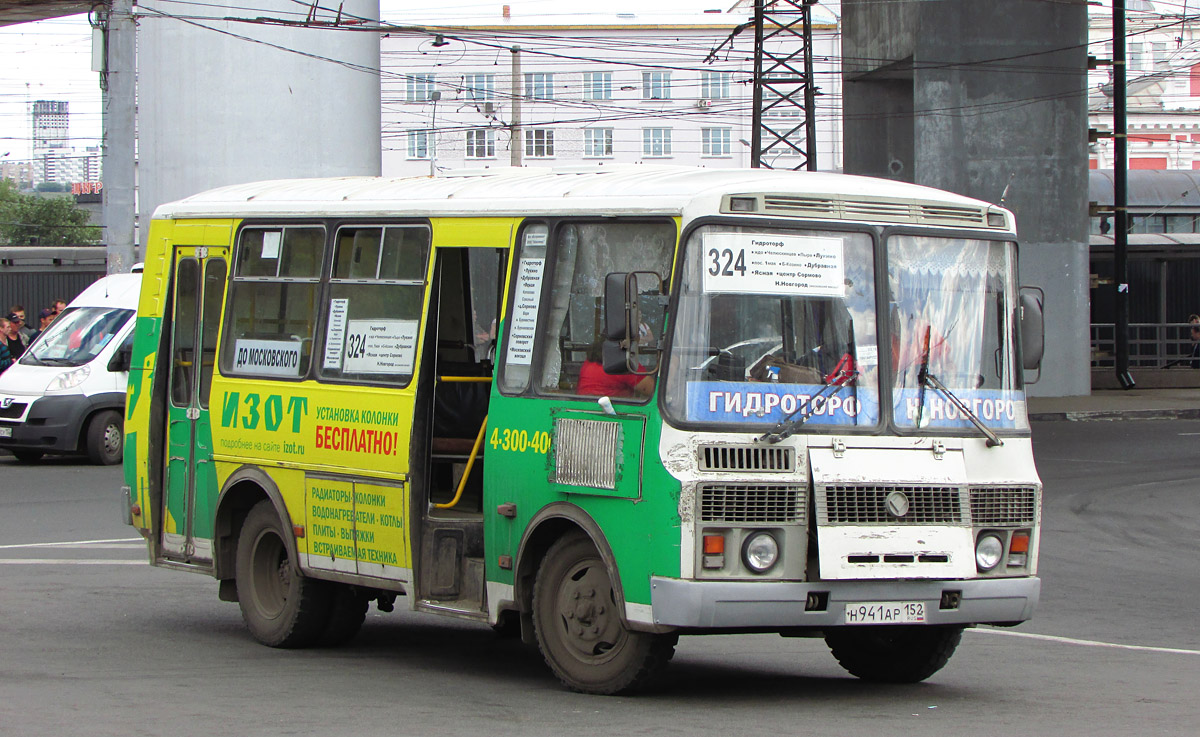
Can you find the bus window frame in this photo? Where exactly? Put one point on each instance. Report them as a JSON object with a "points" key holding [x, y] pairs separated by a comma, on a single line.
{"points": [[226, 332], [555, 225], [325, 296], [787, 224], [887, 376]]}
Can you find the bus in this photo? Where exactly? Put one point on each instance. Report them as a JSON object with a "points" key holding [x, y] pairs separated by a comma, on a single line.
{"points": [[598, 407]]}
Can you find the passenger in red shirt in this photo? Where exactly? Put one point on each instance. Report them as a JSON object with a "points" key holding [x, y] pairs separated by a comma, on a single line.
{"points": [[595, 382]]}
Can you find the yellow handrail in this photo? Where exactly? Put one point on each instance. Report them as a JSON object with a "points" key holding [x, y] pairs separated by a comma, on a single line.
{"points": [[463, 379], [462, 483]]}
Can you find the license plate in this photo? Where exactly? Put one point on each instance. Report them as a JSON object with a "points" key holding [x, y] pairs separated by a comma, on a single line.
{"points": [[885, 612], [5, 432]]}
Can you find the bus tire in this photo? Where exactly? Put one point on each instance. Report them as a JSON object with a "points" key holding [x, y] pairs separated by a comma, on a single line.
{"points": [[281, 606], [893, 653], [579, 628], [105, 438], [348, 610]]}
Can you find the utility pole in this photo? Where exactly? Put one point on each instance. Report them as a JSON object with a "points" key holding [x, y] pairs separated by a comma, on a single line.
{"points": [[117, 83], [784, 71], [514, 127], [1120, 199]]}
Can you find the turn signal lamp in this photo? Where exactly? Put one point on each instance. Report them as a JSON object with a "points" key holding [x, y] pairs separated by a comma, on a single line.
{"points": [[1018, 549], [714, 551]]}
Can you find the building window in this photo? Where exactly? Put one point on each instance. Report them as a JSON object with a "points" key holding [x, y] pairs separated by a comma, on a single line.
{"points": [[539, 143], [539, 85], [656, 85], [714, 85], [656, 141], [420, 87], [418, 144], [597, 141], [597, 85], [714, 141], [481, 144], [480, 86], [775, 105]]}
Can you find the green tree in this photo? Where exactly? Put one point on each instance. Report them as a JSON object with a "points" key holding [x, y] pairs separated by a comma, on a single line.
{"points": [[30, 220]]}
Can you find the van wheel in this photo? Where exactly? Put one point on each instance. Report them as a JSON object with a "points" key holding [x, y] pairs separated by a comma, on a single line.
{"points": [[105, 438], [579, 629], [28, 456], [893, 653], [281, 606]]}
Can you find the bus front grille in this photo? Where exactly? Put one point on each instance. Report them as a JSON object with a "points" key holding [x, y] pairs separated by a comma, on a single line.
{"points": [[1004, 506], [747, 458], [868, 504], [752, 503]]}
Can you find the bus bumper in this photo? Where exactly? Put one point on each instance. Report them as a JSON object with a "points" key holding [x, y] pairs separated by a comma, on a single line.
{"points": [[763, 604]]}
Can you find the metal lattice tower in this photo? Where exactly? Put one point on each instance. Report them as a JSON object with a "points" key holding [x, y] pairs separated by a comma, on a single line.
{"points": [[784, 93]]}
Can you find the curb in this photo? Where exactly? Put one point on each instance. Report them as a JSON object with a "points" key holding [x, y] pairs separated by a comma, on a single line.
{"points": [[1189, 413]]}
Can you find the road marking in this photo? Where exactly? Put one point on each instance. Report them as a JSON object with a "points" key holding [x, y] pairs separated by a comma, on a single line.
{"points": [[80, 543], [1088, 643], [69, 561]]}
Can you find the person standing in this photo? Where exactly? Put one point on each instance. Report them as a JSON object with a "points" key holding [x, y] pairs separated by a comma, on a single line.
{"points": [[6, 356], [12, 334], [45, 317], [17, 313]]}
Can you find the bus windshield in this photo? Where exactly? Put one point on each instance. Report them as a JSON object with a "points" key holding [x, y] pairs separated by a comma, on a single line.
{"points": [[775, 326], [952, 314]]}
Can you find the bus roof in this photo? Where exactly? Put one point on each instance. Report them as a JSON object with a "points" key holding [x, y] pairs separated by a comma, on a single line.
{"points": [[595, 190]]}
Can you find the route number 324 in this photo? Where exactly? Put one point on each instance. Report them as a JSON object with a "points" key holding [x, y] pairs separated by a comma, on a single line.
{"points": [[725, 262]]}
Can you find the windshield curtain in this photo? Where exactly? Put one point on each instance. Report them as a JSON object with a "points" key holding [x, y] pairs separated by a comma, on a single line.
{"points": [[952, 313], [76, 336], [772, 324]]}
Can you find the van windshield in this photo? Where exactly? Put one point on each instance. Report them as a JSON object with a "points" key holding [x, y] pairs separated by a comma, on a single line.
{"points": [[76, 336]]}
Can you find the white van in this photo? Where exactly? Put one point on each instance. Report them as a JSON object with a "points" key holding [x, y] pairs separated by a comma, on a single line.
{"points": [[66, 393]]}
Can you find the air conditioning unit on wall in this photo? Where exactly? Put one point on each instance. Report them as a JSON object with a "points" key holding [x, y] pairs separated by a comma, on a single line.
{"points": [[704, 104]]}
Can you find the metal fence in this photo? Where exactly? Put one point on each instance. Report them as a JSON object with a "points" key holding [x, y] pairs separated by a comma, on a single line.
{"points": [[1151, 345]]}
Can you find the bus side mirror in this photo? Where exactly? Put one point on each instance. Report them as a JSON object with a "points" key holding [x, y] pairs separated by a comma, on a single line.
{"points": [[1033, 328], [634, 308]]}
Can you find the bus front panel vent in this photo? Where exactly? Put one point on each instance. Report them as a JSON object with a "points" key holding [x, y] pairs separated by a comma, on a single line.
{"points": [[1004, 506], [752, 503], [746, 458], [890, 504]]}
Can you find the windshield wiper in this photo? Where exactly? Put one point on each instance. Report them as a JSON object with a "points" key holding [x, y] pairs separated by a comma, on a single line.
{"points": [[785, 427], [925, 378]]}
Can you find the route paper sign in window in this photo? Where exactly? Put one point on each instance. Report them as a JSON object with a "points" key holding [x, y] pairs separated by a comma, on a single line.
{"points": [[380, 346], [753, 263], [267, 357]]}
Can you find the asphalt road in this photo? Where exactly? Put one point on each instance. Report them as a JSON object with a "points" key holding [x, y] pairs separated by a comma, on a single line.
{"points": [[95, 642]]}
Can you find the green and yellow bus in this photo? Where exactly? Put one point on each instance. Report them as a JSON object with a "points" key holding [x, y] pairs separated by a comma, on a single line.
{"points": [[603, 406]]}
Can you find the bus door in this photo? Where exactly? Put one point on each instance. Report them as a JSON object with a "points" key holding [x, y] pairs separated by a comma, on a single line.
{"points": [[455, 385], [190, 486]]}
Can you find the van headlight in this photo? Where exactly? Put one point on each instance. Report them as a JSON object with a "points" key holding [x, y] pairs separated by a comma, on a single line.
{"points": [[68, 380]]}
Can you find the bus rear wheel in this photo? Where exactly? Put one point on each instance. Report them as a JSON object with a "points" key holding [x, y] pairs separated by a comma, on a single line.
{"points": [[281, 606], [893, 653], [579, 628], [348, 611]]}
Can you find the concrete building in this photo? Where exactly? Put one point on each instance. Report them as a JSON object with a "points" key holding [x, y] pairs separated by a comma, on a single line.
{"points": [[984, 99], [619, 89]]}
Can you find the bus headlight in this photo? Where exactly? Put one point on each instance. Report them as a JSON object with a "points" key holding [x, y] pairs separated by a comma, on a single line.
{"points": [[988, 552], [760, 552], [68, 380]]}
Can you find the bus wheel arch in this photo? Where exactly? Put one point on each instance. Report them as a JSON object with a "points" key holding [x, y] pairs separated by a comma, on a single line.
{"points": [[547, 526], [244, 488]]}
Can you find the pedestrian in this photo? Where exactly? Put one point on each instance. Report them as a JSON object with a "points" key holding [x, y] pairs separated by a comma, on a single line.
{"points": [[45, 317], [58, 307], [1194, 320], [6, 356], [17, 313], [13, 338]]}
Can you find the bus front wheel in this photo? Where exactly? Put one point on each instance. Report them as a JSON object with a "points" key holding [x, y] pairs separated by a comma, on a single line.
{"points": [[579, 628], [281, 606], [893, 653]]}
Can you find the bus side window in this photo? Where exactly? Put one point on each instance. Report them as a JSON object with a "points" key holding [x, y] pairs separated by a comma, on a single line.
{"points": [[572, 329]]}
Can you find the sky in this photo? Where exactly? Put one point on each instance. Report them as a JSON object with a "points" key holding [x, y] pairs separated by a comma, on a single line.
{"points": [[52, 59]]}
